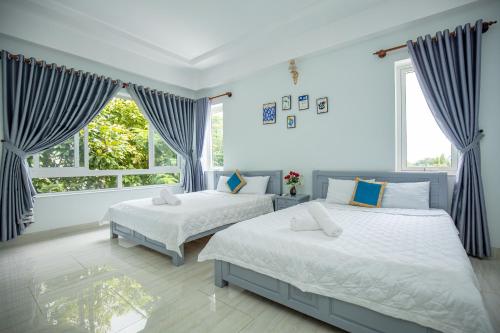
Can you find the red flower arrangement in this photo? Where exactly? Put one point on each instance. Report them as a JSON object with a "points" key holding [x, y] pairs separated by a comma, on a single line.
{"points": [[293, 178]]}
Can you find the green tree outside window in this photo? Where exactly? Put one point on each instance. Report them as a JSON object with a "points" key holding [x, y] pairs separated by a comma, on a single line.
{"points": [[117, 140]]}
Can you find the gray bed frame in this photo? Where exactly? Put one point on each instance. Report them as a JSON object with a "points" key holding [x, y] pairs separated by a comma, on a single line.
{"points": [[273, 187], [350, 317]]}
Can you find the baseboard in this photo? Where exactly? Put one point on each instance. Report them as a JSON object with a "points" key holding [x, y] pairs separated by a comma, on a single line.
{"points": [[495, 253], [53, 233]]}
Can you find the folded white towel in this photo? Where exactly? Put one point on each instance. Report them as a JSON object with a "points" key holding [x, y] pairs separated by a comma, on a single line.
{"points": [[324, 219], [304, 223], [158, 201], [169, 197]]}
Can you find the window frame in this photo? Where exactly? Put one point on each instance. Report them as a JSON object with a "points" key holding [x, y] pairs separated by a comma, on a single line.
{"points": [[208, 140], [401, 68], [83, 171]]}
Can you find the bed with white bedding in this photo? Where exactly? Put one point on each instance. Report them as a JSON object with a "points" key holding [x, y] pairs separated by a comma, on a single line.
{"points": [[166, 228], [391, 270]]}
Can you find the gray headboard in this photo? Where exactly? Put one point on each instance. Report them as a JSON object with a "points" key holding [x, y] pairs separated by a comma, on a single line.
{"points": [[275, 178], [438, 180]]}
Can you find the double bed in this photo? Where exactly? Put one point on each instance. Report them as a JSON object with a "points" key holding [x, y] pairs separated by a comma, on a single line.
{"points": [[391, 269], [165, 228]]}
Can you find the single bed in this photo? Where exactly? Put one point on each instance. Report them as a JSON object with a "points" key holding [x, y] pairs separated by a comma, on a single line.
{"points": [[391, 270], [166, 228]]}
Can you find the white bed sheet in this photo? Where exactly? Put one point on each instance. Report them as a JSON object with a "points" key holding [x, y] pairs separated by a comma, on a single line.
{"points": [[198, 212], [404, 263]]}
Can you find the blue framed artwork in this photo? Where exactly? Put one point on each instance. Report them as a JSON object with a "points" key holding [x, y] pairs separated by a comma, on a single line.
{"points": [[322, 105], [290, 122], [304, 102], [269, 113]]}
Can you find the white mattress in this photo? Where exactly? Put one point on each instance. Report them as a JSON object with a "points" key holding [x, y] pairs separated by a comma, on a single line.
{"points": [[198, 212], [407, 264]]}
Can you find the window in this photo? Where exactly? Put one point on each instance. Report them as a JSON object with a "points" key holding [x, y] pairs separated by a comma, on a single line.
{"points": [[119, 148], [421, 145], [214, 139]]}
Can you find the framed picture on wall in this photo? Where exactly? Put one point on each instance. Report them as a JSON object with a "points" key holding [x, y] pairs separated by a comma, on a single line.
{"points": [[322, 105], [269, 113], [290, 122], [286, 102], [304, 102]]}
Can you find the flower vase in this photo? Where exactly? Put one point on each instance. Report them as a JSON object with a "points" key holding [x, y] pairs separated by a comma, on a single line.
{"points": [[293, 191]]}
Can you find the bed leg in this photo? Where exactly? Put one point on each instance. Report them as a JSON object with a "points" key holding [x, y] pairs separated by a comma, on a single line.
{"points": [[219, 281], [111, 234], [177, 259]]}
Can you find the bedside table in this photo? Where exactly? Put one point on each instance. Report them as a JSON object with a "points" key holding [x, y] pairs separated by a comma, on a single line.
{"points": [[285, 201]]}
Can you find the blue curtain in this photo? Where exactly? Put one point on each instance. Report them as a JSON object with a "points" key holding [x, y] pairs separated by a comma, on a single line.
{"points": [[448, 69], [173, 118], [42, 106], [202, 109]]}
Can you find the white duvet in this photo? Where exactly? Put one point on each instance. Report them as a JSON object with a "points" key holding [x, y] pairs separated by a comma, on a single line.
{"points": [[198, 212], [407, 264]]}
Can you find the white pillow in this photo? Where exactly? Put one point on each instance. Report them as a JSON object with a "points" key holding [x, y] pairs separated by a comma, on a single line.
{"points": [[340, 190], [406, 195], [255, 185], [222, 185]]}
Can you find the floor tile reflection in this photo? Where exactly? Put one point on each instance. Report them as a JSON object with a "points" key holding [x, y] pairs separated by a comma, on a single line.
{"points": [[89, 300], [85, 282]]}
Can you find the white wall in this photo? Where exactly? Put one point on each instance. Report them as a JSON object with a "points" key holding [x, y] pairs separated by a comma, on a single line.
{"points": [[359, 131], [63, 210], [56, 211]]}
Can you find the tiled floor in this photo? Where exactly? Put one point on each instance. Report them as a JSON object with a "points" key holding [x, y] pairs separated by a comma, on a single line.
{"points": [[84, 282]]}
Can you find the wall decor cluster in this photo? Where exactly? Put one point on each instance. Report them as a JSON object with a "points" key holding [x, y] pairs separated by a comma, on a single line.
{"points": [[269, 109]]}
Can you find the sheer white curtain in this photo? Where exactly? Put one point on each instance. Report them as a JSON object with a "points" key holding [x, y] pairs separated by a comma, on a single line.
{"points": [[206, 155]]}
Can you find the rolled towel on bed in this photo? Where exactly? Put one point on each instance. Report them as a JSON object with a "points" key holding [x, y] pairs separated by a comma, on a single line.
{"points": [[324, 219], [158, 201], [169, 197], [300, 223]]}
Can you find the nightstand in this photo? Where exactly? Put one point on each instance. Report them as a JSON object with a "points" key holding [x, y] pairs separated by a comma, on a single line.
{"points": [[285, 201]]}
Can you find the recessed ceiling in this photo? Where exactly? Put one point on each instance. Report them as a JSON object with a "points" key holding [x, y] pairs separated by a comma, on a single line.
{"points": [[198, 43]]}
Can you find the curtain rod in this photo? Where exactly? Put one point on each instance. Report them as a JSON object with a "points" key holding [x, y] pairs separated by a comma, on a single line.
{"points": [[16, 57], [227, 93], [383, 52]]}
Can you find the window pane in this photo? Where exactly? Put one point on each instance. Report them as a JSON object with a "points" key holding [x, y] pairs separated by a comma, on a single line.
{"points": [[65, 184], [164, 156], [61, 155], [426, 144], [30, 161], [154, 179], [118, 137], [217, 136]]}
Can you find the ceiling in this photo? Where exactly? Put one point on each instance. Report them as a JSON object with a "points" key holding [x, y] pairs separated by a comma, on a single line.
{"points": [[198, 43]]}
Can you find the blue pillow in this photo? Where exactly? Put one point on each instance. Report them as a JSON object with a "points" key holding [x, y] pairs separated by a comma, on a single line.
{"points": [[236, 182], [368, 194]]}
